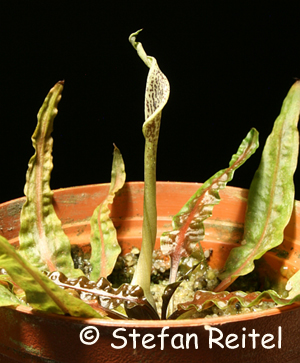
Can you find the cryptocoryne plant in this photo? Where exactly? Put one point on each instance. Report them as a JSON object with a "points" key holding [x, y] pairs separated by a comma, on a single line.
{"points": [[41, 273]]}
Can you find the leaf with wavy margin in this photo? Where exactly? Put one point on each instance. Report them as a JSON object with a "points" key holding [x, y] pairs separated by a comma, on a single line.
{"points": [[156, 97], [133, 298], [41, 292], [104, 243], [188, 228], [42, 239], [205, 299], [271, 194]]}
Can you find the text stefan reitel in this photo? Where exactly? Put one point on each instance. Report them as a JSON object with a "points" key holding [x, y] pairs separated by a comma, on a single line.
{"points": [[216, 338]]}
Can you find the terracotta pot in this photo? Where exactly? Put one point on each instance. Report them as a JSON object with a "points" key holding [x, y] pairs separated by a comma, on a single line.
{"points": [[28, 336]]}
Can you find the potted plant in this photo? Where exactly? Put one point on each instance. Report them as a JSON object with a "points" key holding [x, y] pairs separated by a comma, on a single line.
{"points": [[52, 311]]}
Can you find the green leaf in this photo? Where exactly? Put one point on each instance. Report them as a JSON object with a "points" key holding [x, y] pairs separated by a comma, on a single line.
{"points": [[41, 292], [271, 194], [7, 298], [293, 285], [7, 282], [136, 305], [42, 239], [156, 97], [104, 243], [205, 299], [188, 228]]}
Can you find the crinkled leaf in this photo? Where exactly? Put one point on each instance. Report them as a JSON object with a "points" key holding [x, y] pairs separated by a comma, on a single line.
{"points": [[188, 228], [42, 239], [205, 299], [271, 194], [104, 243], [136, 304], [156, 97], [41, 292]]}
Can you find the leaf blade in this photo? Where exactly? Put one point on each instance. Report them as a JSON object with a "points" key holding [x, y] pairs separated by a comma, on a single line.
{"points": [[188, 228], [7, 298], [271, 194], [293, 285], [205, 299], [109, 298], [104, 243], [41, 292], [42, 239]]}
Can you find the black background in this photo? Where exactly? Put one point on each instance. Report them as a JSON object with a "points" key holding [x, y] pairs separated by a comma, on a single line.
{"points": [[229, 63]]}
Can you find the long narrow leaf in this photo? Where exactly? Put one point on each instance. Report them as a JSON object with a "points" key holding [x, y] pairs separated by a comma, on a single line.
{"points": [[41, 292], [156, 97], [42, 239], [271, 194], [136, 305], [205, 299], [188, 228], [104, 243]]}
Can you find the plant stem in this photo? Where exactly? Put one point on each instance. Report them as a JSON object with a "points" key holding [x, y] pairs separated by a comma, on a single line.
{"points": [[142, 277]]}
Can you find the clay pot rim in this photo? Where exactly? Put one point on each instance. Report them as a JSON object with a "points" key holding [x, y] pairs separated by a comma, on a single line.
{"points": [[92, 186], [158, 323]]}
